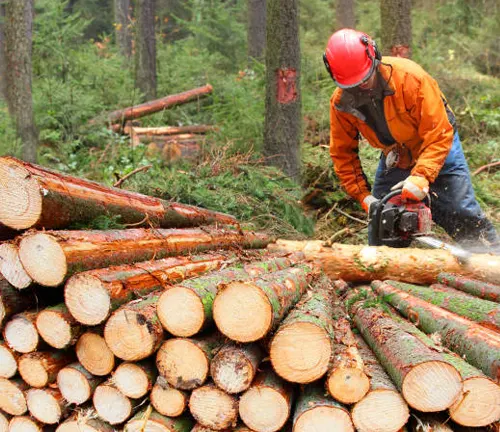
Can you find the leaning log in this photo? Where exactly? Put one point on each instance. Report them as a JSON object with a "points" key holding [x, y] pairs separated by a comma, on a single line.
{"points": [[46, 405], [39, 369], [51, 257], [168, 400], [367, 263], [35, 197], [77, 385], [94, 354], [58, 327], [13, 301], [150, 420], [12, 396], [11, 268], [135, 380], [470, 286]]}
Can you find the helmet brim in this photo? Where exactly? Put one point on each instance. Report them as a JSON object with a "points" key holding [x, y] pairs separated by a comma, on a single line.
{"points": [[358, 79]]}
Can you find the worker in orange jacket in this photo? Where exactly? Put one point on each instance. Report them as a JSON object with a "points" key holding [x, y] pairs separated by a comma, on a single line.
{"points": [[398, 108]]}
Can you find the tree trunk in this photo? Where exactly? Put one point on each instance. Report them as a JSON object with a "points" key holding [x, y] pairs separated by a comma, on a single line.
{"points": [[12, 398], [395, 17], [87, 421], [256, 29], [13, 301], [77, 385], [267, 404], [58, 327], [383, 408], [185, 363], [91, 296], [168, 400], [122, 27], [135, 380], [345, 14], [94, 354], [145, 48], [355, 263], [3, 60], [8, 361], [282, 127], [478, 345], [111, 404], [484, 312], [20, 333], [146, 420], [315, 411], [25, 424], [39, 369], [18, 50], [46, 405], [470, 286], [11, 267], [234, 367], [248, 311], [35, 197], [52, 256]]}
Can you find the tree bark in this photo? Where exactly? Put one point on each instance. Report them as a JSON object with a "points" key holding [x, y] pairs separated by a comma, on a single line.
{"points": [[39, 369], [213, 408], [145, 420], [94, 354], [8, 361], [470, 286], [18, 50], [51, 200], [77, 385], [13, 301], [261, 303], [58, 327], [345, 14], [46, 405], [256, 29], [135, 380], [145, 50], [11, 267], [355, 263], [168, 400], [395, 17], [3, 66], [282, 127], [122, 27], [12, 396]]}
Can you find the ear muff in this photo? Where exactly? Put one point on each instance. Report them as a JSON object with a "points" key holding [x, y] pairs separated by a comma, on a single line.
{"points": [[367, 42], [327, 66]]}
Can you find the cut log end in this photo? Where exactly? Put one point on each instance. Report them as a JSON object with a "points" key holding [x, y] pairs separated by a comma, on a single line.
{"points": [[12, 399], [181, 312], [24, 424], [131, 380], [300, 352], [348, 385], [11, 267], [264, 409], [4, 422], [8, 363], [76, 426], [232, 371], [168, 400], [43, 259], [74, 385], [87, 299], [32, 371], [432, 386], [21, 334], [54, 329], [21, 203], [213, 408], [479, 404], [44, 406], [183, 364], [94, 354], [324, 419], [111, 404], [243, 312], [380, 411]]}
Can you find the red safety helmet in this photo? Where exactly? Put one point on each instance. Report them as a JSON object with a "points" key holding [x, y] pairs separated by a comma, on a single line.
{"points": [[350, 57]]}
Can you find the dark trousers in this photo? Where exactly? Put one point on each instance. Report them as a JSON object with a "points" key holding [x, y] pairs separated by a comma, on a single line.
{"points": [[453, 203]]}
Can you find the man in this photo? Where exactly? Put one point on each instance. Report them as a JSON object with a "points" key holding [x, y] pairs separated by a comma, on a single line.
{"points": [[397, 107]]}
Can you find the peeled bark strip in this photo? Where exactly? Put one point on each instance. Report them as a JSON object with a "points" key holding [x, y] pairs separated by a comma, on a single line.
{"points": [[367, 263], [213, 408], [51, 257], [94, 354], [267, 404], [247, 311], [58, 327], [234, 367], [12, 399], [35, 197], [484, 312], [111, 404], [168, 400], [11, 268], [20, 333], [134, 380], [46, 405], [85, 421], [383, 409], [13, 301], [91, 296], [479, 346], [427, 381], [24, 424], [147, 420], [476, 288], [77, 385], [185, 363], [8, 361], [317, 412], [39, 369]]}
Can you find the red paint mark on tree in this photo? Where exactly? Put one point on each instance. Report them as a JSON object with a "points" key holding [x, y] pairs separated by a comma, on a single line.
{"points": [[287, 85], [400, 51]]}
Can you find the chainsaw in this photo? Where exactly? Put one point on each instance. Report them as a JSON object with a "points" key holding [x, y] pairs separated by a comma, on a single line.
{"points": [[396, 224]]}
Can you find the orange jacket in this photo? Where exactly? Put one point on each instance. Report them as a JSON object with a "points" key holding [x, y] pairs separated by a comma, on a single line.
{"points": [[416, 117]]}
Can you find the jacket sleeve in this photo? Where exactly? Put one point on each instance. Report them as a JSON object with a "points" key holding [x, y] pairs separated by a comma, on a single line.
{"points": [[344, 153], [434, 129]]}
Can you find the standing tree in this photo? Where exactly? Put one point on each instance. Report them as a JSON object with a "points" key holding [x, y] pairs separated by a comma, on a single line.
{"points": [[345, 14], [122, 27], [2, 52], [256, 29], [145, 48], [283, 103], [395, 18], [18, 51]]}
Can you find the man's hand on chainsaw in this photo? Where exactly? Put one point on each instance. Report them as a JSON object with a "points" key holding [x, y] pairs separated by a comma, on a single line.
{"points": [[415, 188], [367, 202]]}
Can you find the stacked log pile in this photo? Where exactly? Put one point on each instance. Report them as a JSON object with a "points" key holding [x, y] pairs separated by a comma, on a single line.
{"points": [[190, 326]]}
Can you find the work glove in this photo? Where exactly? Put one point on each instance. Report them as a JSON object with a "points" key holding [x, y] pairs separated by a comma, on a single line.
{"points": [[415, 188], [367, 202]]}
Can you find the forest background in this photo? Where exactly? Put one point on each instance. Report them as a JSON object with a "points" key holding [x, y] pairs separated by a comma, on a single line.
{"points": [[80, 73]]}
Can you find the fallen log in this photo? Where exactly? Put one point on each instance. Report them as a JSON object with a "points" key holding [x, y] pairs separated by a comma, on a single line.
{"points": [[163, 140], [111, 404], [383, 409], [12, 398], [58, 327], [169, 130], [476, 344], [367, 263], [150, 420], [168, 400], [51, 257], [39, 369], [36, 197], [94, 354], [77, 385], [8, 361], [86, 421], [46, 405], [24, 424], [470, 286], [234, 367], [261, 303], [267, 404], [13, 301], [21, 334], [316, 412], [11, 268], [135, 380], [185, 363], [91, 296]]}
